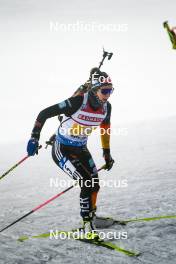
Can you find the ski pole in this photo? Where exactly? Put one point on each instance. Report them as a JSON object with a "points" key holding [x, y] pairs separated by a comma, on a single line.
{"points": [[12, 168], [105, 54], [42, 205], [16, 165], [38, 207], [91, 174]]}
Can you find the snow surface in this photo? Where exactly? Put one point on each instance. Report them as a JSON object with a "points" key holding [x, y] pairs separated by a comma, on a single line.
{"points": [[145, 157]]}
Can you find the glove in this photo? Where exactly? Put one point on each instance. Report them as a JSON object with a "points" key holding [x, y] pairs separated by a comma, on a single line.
{"points": [[32, 147], [108, 159]]}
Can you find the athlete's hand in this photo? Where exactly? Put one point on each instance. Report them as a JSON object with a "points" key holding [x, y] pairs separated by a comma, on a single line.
{"points": [[108, 159], [32, 147]]}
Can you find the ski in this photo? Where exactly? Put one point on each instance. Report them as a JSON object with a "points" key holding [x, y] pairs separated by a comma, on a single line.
{"points": [[101, 243], [145, 219], [111, 246], [105, 222]]}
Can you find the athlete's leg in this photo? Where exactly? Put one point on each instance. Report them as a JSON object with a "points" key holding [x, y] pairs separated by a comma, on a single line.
{"points": [[90, 177], [78, 164], [61, 156]]}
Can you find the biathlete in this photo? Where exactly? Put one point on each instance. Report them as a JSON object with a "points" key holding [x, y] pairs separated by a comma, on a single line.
{"points": [[82, 113]]}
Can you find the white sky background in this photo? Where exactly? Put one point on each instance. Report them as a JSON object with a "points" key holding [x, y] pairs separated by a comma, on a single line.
{"points": [[40, 67]]}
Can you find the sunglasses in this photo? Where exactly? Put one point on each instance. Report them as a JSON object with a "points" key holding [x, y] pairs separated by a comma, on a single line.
{"points": [[107, 91]]}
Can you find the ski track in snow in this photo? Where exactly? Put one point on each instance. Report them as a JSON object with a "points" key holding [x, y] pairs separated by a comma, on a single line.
{"points": [[145, 158]]}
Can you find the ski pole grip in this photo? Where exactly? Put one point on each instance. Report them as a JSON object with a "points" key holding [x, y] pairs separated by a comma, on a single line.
{"points": [[39, 147]]}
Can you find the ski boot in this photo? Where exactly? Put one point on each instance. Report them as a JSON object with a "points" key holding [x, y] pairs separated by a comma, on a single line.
{"points": [[100, 221], [90, 230]]}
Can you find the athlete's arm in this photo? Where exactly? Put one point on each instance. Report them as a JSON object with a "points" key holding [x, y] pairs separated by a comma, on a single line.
{"points": [[67, 107], [105, 129], [105, 138]]}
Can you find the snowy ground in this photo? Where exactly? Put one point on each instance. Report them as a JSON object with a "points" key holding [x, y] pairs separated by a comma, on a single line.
{"points": [[145, 158]]}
